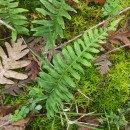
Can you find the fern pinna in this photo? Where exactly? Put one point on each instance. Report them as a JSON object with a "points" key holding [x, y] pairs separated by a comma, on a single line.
{"points": [[53, 27], [58, 80], [12, 14]]}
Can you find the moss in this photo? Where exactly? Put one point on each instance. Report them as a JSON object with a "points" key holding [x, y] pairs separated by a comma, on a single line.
{"points": [[44, 123], [110, 91], [86, 17]]}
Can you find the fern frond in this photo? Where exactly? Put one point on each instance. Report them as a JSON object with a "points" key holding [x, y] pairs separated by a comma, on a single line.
{"points": [[58, 81], [10, 13], [56, 10]]}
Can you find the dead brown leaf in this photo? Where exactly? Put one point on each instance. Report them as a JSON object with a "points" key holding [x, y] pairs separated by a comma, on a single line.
{"points": [[16, 88], [11, 61], [90, 120], [33, 68], [5, 110], [119, 37], [7, 124], [36, 44], [102, 63]]}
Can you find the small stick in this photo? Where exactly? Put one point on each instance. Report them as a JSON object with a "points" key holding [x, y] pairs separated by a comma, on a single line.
{"points": [[84, 95], [7, 25], [6, 123], [116, 49]]}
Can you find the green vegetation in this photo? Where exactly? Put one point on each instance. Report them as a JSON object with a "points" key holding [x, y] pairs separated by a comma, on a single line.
{"points": [[69, 85]]}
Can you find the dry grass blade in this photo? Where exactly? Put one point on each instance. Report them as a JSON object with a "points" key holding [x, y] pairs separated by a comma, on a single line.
{"points": [[102, 64], [15, 51]]}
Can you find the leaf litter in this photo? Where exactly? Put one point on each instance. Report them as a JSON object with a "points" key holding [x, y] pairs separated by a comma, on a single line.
{"points": [[16, 51], [6, 122]]}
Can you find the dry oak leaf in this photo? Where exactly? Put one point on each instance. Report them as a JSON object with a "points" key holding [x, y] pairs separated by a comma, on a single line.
{"points": [[102, 64], [119, 37], [11, 61]]}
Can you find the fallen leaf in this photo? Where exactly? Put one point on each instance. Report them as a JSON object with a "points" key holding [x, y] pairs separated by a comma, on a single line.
{"points": [[11, 61], [5, 110], [16, 88], [4, 121], [119, 37], [21, 122], [7, 124], [33, 68], [36, 44], [89, 120], [102, 64]]}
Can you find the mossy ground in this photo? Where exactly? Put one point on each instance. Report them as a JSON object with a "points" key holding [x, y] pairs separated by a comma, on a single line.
{"points": [[108, 93]]}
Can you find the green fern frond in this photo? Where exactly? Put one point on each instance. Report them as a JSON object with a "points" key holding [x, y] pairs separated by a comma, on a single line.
{"points": [[58, 81], [10, 13], [56, 10]]}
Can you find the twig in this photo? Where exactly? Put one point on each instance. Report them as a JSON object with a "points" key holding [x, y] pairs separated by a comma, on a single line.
{"points": [[7, 25], [116, 49], [5, 38], [84, 95], [73, 39], [6, 123], [36, 55], [69, 122], [85, 123]]}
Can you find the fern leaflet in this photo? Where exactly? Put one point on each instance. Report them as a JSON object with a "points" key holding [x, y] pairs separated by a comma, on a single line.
{"points": [[10, 13]]}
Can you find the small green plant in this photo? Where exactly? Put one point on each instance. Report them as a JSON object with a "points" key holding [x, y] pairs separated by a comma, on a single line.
{"points": [[112, 7], [25, 110], [19, 114], [117, 120]]}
